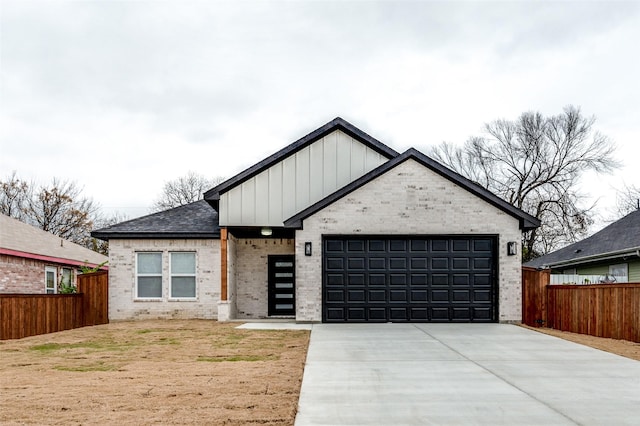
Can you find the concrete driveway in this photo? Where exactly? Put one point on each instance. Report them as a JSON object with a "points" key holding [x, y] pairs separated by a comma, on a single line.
{"points": [[462, 374]]}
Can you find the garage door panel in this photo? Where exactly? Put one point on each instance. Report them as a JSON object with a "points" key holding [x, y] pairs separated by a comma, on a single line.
{"points": [[397, 296], [440, 263], [398, 279], [439, 295], [335, 295], [482, 263], [424, 279], [335, 279], [398, 263], [335, 264], [377, 296], [440, 279], [356, 263], [461, 245], [377, 263], [355, 296], [419, 263], [377, 314], [419, 296], [356, 279], [398, 314], [377, 279], [355, 246], [461, 279]]}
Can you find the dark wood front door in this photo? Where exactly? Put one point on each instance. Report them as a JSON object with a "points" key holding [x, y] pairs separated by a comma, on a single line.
{"points": [[282, 299]]}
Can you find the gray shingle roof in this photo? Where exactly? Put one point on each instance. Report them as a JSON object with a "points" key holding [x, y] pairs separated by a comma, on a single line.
{"points": [[620, 237], [194, 220]]}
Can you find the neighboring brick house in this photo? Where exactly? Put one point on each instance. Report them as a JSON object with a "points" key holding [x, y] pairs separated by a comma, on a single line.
{"points": [[34, 261], [336, 227]]}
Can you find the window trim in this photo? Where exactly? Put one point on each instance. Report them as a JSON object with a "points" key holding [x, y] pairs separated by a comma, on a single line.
{"points": [[53, 269], [161, 275], [620, 265], [194, 275]]}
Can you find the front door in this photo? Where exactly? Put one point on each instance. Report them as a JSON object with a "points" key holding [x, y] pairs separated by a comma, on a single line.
{"points": [[282, 285]]}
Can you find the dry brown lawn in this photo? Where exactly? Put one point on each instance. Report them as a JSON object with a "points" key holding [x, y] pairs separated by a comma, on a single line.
{"points": [[615, 346], [153, 372], [169, 372]]}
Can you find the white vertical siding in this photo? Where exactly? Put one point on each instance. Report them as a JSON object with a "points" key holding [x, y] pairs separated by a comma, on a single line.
{"points": [[298, 181]]}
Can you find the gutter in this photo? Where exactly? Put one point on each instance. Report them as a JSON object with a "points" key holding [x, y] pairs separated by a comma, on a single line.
{"points": [[50, 259], [594, 257]]}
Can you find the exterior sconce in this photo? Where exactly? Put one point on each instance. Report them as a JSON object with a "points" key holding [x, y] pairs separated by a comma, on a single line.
{"points": [[266, 231], [307, 248], [512, 248]]}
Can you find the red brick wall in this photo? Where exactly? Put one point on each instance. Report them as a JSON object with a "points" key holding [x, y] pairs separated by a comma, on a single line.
{"points": [[20, 275]]}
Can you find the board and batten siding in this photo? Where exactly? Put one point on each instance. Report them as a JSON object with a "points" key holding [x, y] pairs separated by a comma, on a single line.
{"points": [[298, 181]]}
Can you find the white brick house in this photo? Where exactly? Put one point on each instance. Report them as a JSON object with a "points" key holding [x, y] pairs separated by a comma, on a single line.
{"points": [[336, 227]]}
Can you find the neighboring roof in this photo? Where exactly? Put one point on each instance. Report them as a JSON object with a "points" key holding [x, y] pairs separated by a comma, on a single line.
{"points": [[527, 221], [195, 220], [213, 195], [621, 238], [23, 240]]}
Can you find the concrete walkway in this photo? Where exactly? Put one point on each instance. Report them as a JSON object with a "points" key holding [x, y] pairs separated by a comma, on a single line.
{"points": [[462, 374]]}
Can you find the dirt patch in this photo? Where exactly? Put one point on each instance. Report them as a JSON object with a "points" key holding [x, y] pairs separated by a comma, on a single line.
{"points": [[153, 372], [618, 347]]}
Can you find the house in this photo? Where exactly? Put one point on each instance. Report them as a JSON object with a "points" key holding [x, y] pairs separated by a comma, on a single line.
{"points": [[612, 254], [35, 261], [335, 227]]}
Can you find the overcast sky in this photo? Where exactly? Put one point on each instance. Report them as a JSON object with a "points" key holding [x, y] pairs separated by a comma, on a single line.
{"points": [[121, 96]]}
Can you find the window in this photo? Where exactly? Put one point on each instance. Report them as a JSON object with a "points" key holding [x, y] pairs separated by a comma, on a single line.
{"points": [[50, 279], [183, 275], [620, 272], [149, 275]]}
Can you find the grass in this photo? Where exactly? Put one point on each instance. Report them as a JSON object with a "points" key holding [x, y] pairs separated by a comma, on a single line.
{"points": [[235, 358]]}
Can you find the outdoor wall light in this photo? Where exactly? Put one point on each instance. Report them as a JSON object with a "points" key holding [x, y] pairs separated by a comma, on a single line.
{"points": [[512, 248], [266, 231], [307, 248]]}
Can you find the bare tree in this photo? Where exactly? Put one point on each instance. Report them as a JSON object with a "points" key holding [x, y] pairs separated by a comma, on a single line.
{"points": [[184, 190], [100, 222], [14, 196], [535, 163], [627, 200], [58, 208]]}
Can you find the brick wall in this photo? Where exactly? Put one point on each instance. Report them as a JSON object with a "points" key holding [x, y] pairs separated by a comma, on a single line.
{"points": [[26, 276], [251, 273], [122, 278], [408, 199]]}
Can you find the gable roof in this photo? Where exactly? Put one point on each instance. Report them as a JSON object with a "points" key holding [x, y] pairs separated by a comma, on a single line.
{"points": [[213, 195], [195, 220], [527, 221], [23, 240], [616, 240]]}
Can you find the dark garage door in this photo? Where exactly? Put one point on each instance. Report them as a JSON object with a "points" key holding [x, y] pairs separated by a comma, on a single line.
{"points": [[417, 279]]}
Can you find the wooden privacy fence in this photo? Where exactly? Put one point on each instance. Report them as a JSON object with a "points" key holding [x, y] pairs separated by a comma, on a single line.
{"points": [[23, 315], [602, 310]]}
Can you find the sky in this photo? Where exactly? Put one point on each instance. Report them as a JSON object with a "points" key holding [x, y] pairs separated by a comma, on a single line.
{"points": [[122, 96]]}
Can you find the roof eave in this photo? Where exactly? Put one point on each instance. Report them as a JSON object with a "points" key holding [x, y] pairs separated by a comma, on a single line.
{"points": [[106, 236], [335, 124], [633, 251]]}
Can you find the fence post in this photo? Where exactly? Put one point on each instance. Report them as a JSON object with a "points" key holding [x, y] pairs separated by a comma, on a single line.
{"points": [[534, 296]]}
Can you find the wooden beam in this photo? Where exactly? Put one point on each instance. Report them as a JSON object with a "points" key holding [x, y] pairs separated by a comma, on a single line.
{"points": [[223, 264]]}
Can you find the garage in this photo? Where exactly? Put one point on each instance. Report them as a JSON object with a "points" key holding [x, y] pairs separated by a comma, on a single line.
{"points": [[409, 279]]}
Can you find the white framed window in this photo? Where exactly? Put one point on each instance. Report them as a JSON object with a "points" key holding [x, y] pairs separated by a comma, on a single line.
{"points": [[620, 272], [183, 275], [149, 275], [50, 279]]}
